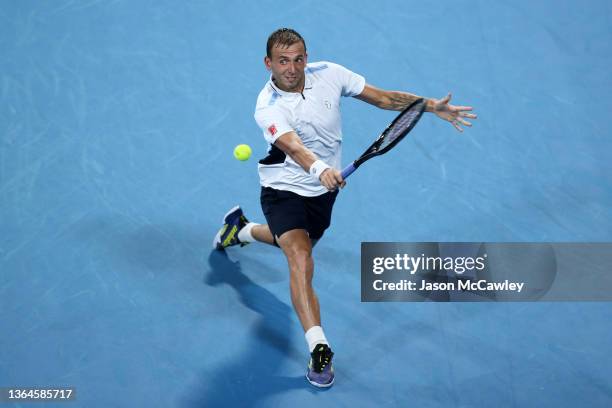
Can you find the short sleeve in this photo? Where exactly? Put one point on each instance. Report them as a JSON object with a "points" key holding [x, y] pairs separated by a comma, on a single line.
{"points": [[352, 83], [272, 122]]}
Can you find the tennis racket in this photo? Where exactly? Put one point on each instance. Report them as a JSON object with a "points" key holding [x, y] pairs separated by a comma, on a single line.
{"points": [[393, 134]]}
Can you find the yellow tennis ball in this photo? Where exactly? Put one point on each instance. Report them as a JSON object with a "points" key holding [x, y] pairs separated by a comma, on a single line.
{"points": [[242, 152]]}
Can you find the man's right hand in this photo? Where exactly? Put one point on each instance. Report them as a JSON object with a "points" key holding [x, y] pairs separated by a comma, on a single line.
{"points": [[331, 179]]}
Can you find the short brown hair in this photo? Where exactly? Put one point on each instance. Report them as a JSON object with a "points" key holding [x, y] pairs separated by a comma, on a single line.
{"points": [[285, 37]]}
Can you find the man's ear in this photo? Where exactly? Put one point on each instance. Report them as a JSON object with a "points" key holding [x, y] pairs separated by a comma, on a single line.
{"points": [[268, 63]]}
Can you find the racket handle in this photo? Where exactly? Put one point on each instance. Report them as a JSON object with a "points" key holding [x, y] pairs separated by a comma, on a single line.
{"points": [[348, 170]]}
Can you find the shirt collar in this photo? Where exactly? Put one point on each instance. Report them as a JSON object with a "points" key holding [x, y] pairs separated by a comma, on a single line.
{"points": [[307, 86]]}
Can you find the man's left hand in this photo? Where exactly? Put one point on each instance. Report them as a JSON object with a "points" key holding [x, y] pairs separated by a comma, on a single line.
{"points": [[454, 114]]}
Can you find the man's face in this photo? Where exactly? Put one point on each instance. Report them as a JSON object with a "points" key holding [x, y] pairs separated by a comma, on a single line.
{"points": [[287, 65]]}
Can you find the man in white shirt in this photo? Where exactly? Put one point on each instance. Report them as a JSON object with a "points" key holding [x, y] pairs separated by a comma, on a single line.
{"points": [[298, 111]]}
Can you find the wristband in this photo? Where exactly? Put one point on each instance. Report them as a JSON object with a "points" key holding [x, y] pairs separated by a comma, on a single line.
{"points": [[317, 168]]}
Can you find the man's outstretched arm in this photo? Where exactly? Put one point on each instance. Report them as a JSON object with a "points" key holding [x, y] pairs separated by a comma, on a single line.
{"points": [[397, 100]]}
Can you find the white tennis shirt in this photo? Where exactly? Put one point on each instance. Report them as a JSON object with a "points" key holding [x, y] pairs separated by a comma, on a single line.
{"points": [[314, 115]]}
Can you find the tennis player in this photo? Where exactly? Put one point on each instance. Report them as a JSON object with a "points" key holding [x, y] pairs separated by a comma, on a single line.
{"points": [[298, 111]]}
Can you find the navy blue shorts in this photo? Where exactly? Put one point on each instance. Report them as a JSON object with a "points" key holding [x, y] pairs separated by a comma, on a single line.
{"points": [[286, 211]]}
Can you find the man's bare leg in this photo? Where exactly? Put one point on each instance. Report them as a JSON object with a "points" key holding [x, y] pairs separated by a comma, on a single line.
{"points": [[297, 246], [263, 234]]}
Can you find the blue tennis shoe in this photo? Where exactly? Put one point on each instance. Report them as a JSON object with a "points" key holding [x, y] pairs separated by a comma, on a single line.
{"points": [[227, 236], [320, 369]]}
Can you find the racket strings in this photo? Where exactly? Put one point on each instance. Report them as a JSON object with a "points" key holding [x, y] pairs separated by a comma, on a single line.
{"points": [[401, 125]]}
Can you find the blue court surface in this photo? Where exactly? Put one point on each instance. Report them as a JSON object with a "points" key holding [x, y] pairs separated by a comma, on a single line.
{"points": [[117, 125]]}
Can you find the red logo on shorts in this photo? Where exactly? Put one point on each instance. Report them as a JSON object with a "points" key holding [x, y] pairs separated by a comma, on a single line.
{"points": [[272, 129]]}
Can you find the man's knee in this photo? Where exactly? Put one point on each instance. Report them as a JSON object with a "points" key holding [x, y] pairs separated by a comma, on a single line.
{"points": [[294, 241], [302, 256], [297, 248], [299, 256]]}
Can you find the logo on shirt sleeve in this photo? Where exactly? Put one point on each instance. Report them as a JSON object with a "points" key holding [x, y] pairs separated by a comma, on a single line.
{"points": [[272, 129]]}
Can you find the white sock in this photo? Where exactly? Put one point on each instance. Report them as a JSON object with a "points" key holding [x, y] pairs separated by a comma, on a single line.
{"points": [[245, 233], [315, 336]]}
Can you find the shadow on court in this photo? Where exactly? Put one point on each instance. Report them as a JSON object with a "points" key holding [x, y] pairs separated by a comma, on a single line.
{"points": [[253, 375], [151, 262]]}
